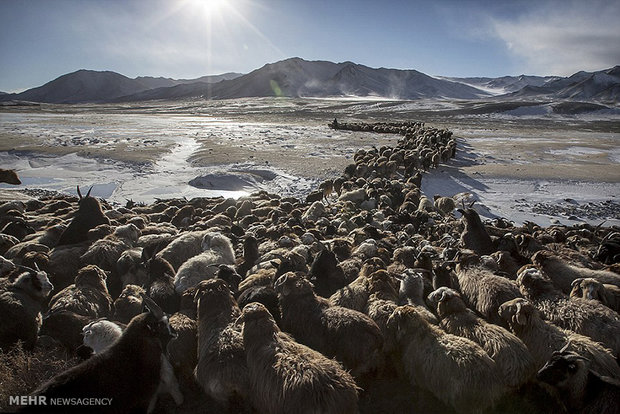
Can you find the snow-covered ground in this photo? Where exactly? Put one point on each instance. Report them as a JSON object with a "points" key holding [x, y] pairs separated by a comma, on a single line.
{"points": [[523, 165]]}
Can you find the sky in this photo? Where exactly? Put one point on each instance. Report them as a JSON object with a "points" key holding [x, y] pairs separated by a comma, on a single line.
{"points": [[183, 39]]}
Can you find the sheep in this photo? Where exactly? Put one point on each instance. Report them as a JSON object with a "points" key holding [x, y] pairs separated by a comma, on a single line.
{"points": [[101, 334], [353, 296], [183, 350], [514, 362], [475, 236], [88, 216], [130, 267], [585, 317], [482, 290], [326, 275], [128, 304], [217, 250], [65, 327], [563, 274], [222, 369], [20, 308], [112, 373], [382, 299], [183, 247], [454, 369], [411, 292], [582, 389], [543, 338], [88, 296], [6, 266], [589, 288], [9, 177], [160, 286], [444, 204], [288, 377], [350, 336]]}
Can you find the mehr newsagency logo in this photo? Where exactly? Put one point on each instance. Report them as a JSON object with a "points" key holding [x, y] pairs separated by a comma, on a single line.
{"points": [[59, 401]]}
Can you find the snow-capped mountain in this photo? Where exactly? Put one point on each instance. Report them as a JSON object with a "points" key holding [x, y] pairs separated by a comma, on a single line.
{"points": [[505, 84]]}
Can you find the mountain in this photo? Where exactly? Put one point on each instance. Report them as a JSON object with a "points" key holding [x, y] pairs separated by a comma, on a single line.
{"points": [[296, 77], [603, 85], [505, 84], [99, 86]]}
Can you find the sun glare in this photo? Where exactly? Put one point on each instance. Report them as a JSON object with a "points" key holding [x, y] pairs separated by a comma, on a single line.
{"points": [[211, 7]]}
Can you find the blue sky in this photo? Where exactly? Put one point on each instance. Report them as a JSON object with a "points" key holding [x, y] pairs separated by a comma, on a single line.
{"points": [[43, 39]]}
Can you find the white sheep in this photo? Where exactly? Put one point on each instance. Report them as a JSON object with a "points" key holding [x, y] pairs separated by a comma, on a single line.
{"points": [[101, 334], [217, 249]]}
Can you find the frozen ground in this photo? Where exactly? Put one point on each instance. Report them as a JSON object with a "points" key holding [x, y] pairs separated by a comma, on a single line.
{"points": [[520, 163]]}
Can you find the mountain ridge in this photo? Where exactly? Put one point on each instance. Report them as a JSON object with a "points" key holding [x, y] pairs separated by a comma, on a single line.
{"points": [[296, 77]]}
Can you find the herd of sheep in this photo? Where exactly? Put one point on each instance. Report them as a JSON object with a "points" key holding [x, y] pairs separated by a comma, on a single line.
{"points": [[365, 297]]}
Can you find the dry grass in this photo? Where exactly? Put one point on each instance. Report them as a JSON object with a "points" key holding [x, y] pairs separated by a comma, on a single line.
{"points": [[21, 372]]}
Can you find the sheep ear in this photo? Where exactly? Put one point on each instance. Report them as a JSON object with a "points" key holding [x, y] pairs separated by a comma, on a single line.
{"points": [[79, 192]]}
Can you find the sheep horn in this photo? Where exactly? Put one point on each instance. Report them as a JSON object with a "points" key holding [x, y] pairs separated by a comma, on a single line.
{"points": [[79, 193], [36, 266], [575, 282], [565, 347], [88, 193], [152, 306], [472, 204]]}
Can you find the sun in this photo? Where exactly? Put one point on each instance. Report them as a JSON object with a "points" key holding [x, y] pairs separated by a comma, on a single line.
{"points": [[210, 7]]}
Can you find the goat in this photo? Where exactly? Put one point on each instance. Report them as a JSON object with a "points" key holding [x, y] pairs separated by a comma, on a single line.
{"points": [[113, 372], [475, 236], [350, 336], [88, 216], [288, 377], [20, 308], [582, 389]]}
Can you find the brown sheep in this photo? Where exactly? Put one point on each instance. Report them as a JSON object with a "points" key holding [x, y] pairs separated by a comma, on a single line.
{"points": [[456, 370], [579, 315], [88, 296], [350, 336], [482, 290], [128, 304], [543, 338], [353, 296], [20, 308], [514, 362], [221, 370], [589, 288], [563, 274], [287, 377]]}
